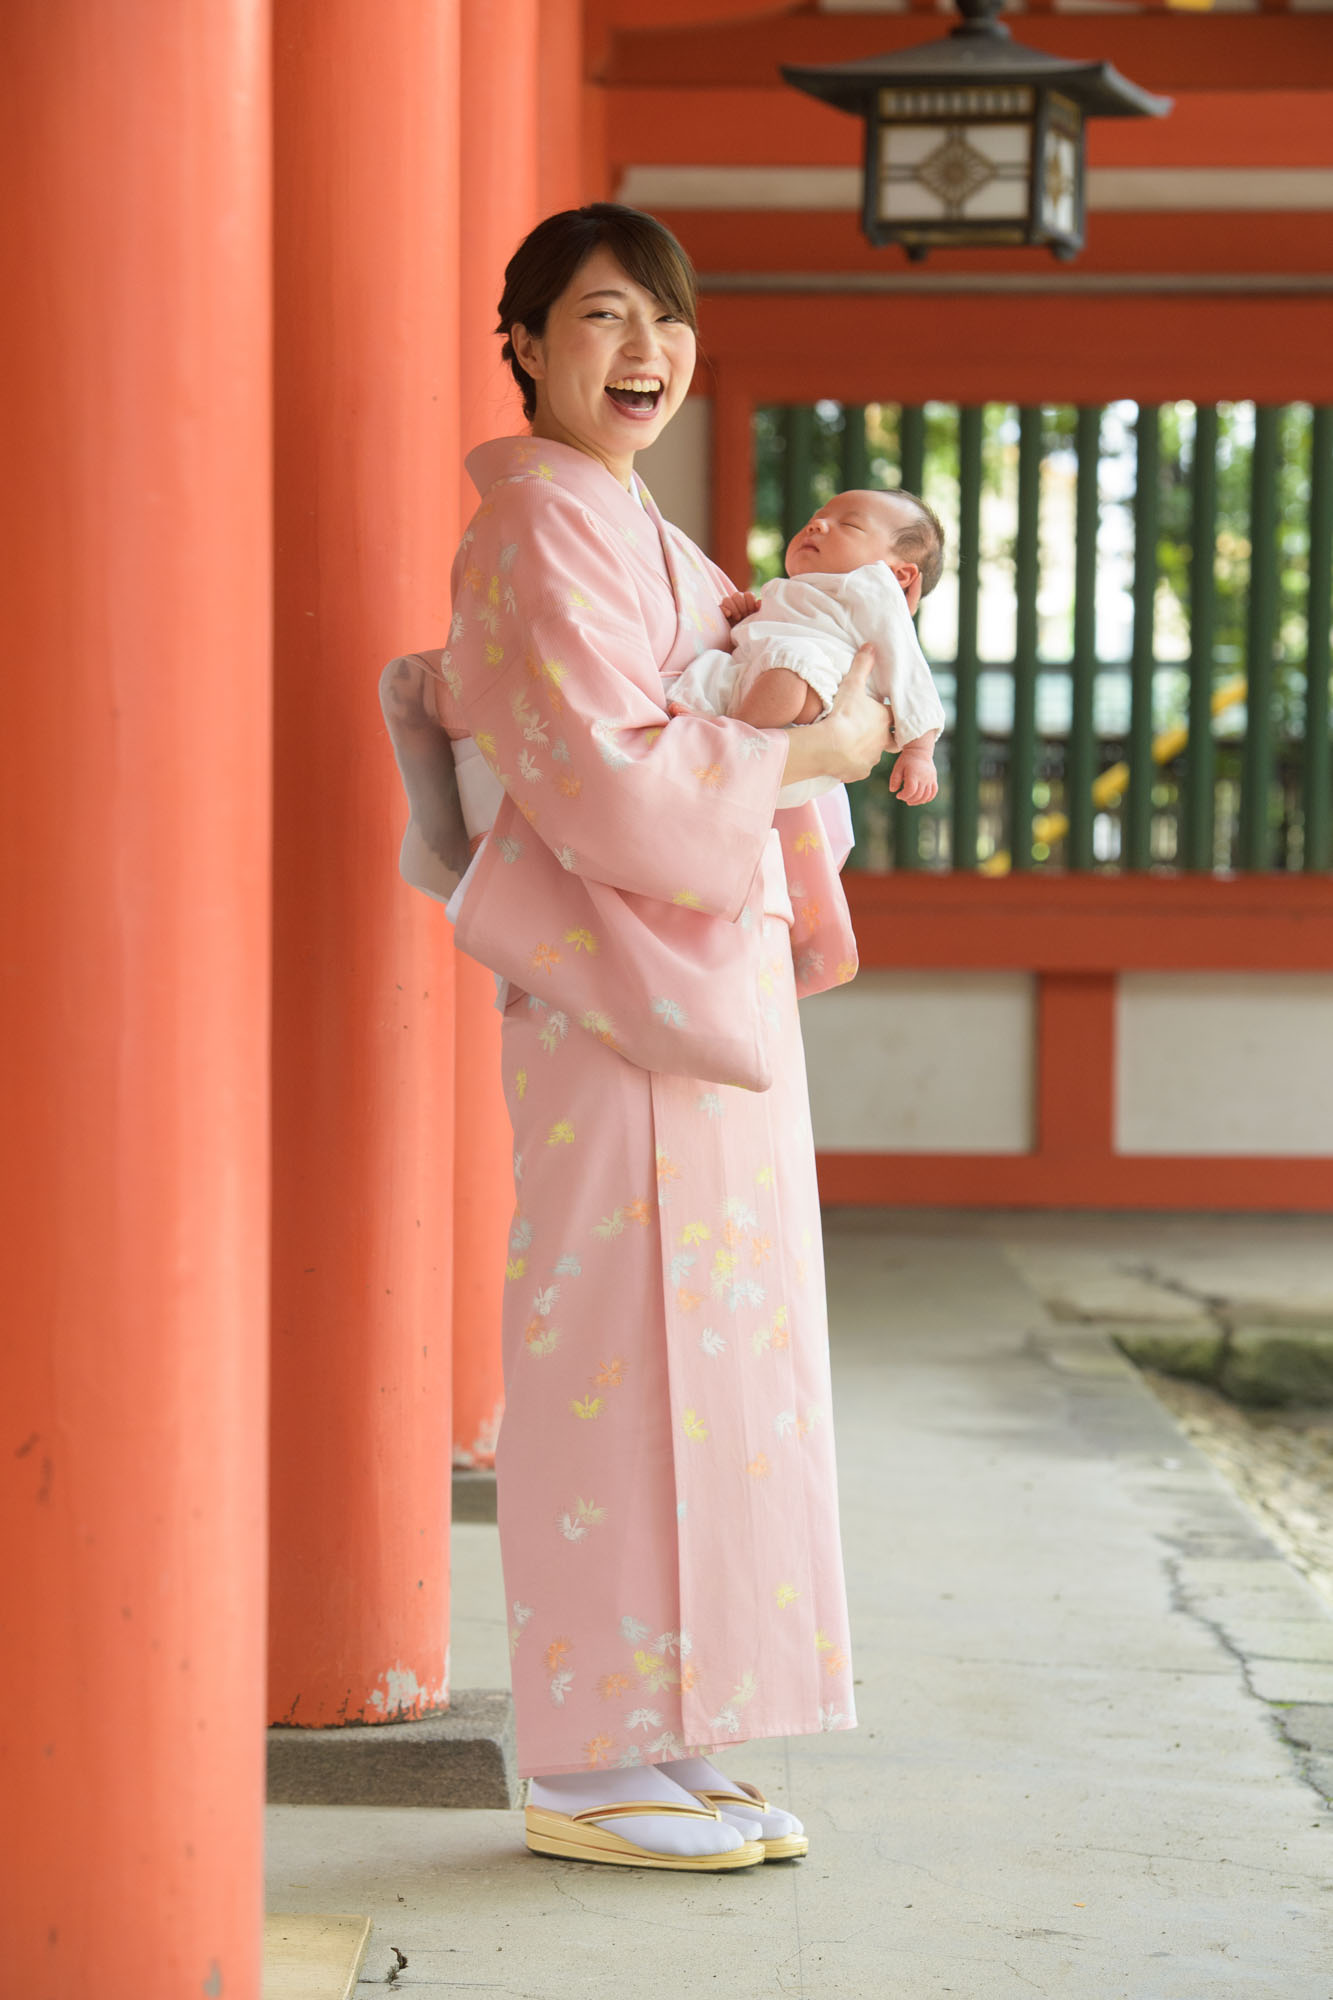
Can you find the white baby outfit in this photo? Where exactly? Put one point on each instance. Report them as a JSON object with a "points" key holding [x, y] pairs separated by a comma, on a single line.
{"points": [[812, 625]]}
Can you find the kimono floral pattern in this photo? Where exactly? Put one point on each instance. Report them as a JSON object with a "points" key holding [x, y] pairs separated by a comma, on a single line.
{"points": [[666, 1479], [667, 1487], [624, 860]]}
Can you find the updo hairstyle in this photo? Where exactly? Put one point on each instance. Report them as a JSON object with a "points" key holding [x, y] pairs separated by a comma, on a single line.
{"points": [[549, 255]]}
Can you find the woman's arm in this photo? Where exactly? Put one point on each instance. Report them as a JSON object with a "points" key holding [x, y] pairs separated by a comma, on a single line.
{"points": [[554, 669], [852, 737]]}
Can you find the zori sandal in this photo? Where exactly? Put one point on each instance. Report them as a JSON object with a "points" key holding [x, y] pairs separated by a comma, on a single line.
{"points": [[786, 1846], [577, 1838]]}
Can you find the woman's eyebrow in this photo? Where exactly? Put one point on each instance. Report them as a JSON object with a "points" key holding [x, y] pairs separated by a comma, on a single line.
{"points": [[608, 292]]}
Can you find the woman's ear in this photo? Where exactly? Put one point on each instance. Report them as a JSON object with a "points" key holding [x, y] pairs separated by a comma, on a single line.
{"points": [[527, 351]]}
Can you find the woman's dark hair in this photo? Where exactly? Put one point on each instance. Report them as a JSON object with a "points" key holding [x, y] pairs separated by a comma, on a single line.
{"points": [[550, 254]]}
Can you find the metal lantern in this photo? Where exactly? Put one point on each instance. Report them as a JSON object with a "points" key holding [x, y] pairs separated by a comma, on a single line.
{"points": [[976, 140]]}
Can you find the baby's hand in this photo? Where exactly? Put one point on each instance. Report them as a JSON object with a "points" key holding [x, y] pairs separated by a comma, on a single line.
{"points": [[913, 776], [739, 604]]}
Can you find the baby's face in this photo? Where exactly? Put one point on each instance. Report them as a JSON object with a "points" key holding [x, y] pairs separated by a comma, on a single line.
{"points": [[852, 529]]}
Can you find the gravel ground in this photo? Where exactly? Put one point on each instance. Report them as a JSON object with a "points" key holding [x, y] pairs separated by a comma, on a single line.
{"points": [[1279, 1461]]}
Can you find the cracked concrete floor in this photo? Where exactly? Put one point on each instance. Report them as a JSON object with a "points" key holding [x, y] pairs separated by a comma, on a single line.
{"points": [[1084, 1678]]}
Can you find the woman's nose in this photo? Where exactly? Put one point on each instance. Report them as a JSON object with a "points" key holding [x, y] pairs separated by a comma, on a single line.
{"points": [[640, 343]]}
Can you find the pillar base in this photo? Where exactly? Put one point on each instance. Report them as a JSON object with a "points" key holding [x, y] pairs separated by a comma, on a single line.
{"points": [[313, 1958], [465, 1756], [474, 1495]]}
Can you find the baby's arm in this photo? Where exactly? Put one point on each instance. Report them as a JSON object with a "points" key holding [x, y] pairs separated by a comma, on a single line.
{"points": [[913, 776], [903, 676], [738, 604]]}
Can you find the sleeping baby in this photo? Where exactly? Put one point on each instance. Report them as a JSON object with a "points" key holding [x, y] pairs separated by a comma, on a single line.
{"points": [[855, 573]]}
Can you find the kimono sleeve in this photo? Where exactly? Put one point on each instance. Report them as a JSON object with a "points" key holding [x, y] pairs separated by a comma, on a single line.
{"points": [[875, 599], [564, 700]]}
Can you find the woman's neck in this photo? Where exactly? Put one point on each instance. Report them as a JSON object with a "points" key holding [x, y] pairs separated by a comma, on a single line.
{"points": [[544, 425]]}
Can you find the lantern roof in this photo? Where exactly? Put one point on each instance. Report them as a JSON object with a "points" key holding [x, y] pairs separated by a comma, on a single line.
{"points": [[977, 52]]}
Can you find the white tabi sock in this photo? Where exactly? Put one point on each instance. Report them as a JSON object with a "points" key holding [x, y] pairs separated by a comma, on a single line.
{"points": [[696, 1774], [575, 1791]]}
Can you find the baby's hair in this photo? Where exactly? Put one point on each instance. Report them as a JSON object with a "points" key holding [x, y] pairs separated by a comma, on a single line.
{"points": [[922, 541]]}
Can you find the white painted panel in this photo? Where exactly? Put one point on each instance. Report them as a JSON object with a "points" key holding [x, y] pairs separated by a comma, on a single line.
{"points": [[1236, 1062], [922, 1062], [741, 187], [1180, 190], [676, 468]]}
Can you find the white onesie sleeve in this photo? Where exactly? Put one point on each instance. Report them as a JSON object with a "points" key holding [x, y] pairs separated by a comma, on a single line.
{"points": [[874, 600]]}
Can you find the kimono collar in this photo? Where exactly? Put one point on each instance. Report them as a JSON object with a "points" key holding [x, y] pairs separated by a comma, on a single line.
{"points": [[564, 465]]}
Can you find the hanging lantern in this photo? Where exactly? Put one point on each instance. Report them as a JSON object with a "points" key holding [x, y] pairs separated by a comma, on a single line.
{"points": [[977, 140]]}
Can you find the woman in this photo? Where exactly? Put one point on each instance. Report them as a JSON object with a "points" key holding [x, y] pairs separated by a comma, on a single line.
{"points": [[667, 1500]]}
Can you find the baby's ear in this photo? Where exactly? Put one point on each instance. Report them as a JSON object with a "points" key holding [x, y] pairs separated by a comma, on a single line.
{"points": [[909, 576]]}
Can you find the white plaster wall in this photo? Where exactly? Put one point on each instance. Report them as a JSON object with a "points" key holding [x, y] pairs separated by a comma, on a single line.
{"points": [[677, 469], [922, 1062], [1211, 1062]]}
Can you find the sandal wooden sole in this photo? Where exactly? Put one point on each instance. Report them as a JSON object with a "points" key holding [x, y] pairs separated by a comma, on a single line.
{"points": [[790, 1847], [787, 1847], [576, 1837]]}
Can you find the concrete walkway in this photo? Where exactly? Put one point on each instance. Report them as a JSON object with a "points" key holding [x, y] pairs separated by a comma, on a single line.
{"points": [[1084, 1680]]}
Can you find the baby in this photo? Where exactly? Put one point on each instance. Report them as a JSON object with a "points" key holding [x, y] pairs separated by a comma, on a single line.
{"points": [[855, 573]]}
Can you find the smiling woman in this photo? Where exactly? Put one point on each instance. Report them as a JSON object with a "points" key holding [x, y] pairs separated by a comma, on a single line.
{"points": [[626, 330], [667, 1495]]}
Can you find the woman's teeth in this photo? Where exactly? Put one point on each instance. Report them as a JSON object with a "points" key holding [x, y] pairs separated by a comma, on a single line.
{"points": [[637, 394]]}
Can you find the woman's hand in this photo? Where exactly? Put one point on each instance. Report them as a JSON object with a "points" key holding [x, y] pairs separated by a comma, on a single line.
{"points": [[851, 739]]}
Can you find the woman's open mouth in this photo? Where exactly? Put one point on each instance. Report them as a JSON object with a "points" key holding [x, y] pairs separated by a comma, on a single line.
{"points": [[636, 395]]}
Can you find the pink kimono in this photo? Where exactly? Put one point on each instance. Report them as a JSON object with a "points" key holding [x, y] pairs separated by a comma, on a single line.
{"points": [[667, 1493]]}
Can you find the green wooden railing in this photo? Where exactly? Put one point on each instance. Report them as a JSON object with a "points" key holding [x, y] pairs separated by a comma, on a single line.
{"points": [[1191, 728]]}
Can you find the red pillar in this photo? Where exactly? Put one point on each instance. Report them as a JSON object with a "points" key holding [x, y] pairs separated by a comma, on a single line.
{"points": [[733, 476], [134, 541], [501, 134], [366, 162], [560, 107]]}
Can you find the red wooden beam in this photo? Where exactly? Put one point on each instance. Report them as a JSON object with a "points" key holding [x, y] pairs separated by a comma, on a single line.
{"points": [[985, 347], [1119, 1181], [1095, 924], [1163, 52], [1126, 244]]}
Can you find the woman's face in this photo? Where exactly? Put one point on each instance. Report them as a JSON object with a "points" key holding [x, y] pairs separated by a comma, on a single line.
{"points": [[612, 367]]}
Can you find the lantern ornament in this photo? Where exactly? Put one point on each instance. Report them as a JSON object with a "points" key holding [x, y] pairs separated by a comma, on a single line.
{"points": [[975, 140]]}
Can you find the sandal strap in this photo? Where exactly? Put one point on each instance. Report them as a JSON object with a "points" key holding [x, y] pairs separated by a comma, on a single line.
{"points": [[744, 1795], [634, 1806]]}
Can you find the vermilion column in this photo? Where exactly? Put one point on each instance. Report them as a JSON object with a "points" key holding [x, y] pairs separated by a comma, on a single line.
{"points": [[366, 167], [501, 141], [560, 106], [134, 545]]}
